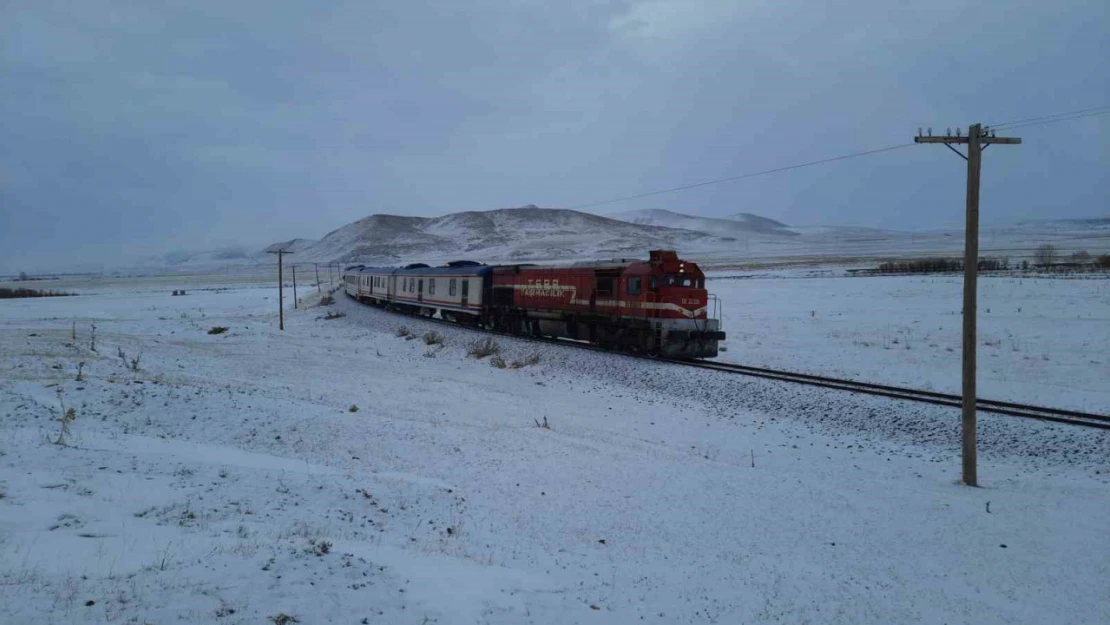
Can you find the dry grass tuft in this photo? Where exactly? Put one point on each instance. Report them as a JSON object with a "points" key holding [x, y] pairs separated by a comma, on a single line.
{"points": [[528, 361], [483, 347]]}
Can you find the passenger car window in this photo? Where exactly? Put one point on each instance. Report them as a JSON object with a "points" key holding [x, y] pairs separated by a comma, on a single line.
{"points": [[451, 287], [432, 286]]}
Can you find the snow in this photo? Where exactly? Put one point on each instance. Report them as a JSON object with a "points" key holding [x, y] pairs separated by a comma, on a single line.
{"points": [[1043, 341], [506, 234], [203, 486], [738, 225]]}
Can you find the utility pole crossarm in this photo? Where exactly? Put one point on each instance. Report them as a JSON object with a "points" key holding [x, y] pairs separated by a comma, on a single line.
{"points": [[983, 140]]}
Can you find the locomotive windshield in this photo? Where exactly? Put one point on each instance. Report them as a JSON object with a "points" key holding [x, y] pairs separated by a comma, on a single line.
{"points": [[681, 280]]}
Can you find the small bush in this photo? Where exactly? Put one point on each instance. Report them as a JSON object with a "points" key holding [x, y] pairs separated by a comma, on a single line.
{"points": [[319, 549], [1104, 261], [497, 361], [283, 619], [433, 338], [402, 331], [218, 330], [327, 300], [483, 347], [353, 408], [65, 418], [528, 361]]}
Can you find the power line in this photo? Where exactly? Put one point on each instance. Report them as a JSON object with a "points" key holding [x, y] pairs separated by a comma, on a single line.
{"points": [[1021, 123], [742, 176], [1050, 117], [1016, 125]]}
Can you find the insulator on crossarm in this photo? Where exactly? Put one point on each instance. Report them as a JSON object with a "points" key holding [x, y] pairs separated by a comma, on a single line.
{"points": [[957, 131], [930, 131], [948, 132]]}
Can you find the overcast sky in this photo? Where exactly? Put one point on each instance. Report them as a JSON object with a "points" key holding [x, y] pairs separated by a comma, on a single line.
{"points": [[141, 127]]}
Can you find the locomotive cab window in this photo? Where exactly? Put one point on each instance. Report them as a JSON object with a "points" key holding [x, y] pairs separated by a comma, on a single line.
{"points": [[634, 286], [677, 280], [604, 286]]}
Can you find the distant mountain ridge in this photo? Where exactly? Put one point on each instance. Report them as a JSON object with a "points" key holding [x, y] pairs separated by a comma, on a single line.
{"points": [[736, 225], [515, 234]]}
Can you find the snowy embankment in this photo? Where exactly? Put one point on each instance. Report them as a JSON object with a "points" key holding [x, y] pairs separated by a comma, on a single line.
{"points": [[226, 479]]}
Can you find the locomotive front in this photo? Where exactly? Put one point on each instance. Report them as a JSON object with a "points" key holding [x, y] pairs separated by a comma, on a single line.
{"points": [[670, 294]]}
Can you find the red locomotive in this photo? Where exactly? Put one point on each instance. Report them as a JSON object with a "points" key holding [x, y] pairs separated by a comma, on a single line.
{"points": [[658, 306]]}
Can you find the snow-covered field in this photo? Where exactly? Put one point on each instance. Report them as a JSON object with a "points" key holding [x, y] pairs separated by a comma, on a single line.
{"points": [[1044, 341], [226, 478]]}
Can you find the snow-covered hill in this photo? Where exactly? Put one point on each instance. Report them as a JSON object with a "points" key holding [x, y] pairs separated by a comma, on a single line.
{"points": [[734, 226], [527, 233], [292, 245], [765, 225]]}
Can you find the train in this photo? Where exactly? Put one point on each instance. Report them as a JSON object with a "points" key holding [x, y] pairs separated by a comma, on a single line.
{"points": [[657, 306]]}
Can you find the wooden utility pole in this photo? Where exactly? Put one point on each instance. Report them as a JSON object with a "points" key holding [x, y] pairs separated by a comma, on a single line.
{"points": [[317, 268], [977, 140], [330, 282], [281, 289], [294, 267]]}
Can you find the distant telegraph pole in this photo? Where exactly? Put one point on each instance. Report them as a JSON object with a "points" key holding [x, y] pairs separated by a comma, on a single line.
{"points": [[977, 140], [317, 268], [281, 289], [294, 267]]}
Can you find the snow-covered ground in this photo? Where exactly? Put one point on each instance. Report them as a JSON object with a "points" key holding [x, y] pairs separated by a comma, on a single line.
{"points": [[226, 479], [1044, 341]]}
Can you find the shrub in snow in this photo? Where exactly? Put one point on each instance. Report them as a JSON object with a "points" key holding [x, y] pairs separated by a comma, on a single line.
{"points": [[353, 408], [327, 300], [402, 331], [432, 337], [483, 347], [527, 361], [66, 417], [218, 330], [497, 361]]}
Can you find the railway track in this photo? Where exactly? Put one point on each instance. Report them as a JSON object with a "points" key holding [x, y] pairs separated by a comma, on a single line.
{"points": [[1028, 411], [1056, 415]]}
